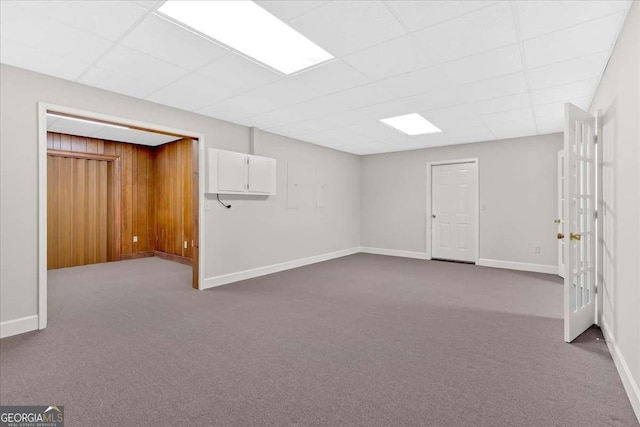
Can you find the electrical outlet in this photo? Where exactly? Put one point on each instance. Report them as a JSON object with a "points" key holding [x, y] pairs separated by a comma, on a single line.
{"points": [[135, 239], [185, 244], [536, 249]]}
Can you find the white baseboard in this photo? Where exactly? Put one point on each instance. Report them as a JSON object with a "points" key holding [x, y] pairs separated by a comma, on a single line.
{"points": [[522, 266], [225, 279], [18, 326], [393, 252], [629, 383]]}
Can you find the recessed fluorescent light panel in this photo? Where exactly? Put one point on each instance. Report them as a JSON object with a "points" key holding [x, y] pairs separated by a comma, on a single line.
{"points": [[411, 124], [93, 122], [249, 29]]}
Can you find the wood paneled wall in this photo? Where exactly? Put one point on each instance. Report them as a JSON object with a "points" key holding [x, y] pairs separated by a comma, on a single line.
{"points": [[160, 212], [174, 207], [137, 207]]}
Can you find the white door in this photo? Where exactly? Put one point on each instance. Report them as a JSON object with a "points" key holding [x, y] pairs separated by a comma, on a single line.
{"points": [[560, 220], [579, 226], [454, 207]]}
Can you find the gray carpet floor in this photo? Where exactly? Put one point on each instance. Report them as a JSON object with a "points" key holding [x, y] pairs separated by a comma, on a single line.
{"points": [[363, 340]]}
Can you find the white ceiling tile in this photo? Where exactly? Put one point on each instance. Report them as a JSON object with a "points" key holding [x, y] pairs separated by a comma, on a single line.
{"points": [[504, 103], [550, 125], [574, 42], [567, 91], [416, 15], [191, 93], [97, 130], [239, 72], [495, 119], [447, 119], [329, 78], [73, 127], [556, 109], [226, 110], [108, 19], [275, 118], [510, 84], [19, 25], [316, 108], [479, 31], [375, 129], [464, 135], [544, 16], [172, 43], [42, 61], [342, 27], [117, 81], [240, 107], [390, 58], [362, 96], [438, 99], [129, 62], [386, 110], [288, 10], [568, 71], [497, 62], [417, 82], [514, 129], [281, 93]]}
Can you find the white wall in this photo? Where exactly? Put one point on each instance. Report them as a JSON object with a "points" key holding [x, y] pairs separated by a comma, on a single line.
{"points": [[517, 180], [618, 96], [254, 233]]}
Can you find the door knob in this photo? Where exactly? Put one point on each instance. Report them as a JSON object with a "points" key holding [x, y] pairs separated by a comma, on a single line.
{"points": [[560, 236], [557, 221], [574, 236], [433, 216]]}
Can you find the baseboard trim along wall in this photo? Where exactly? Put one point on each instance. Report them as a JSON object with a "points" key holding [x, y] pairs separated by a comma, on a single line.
{"points": [[629, 383], [394, 252], [522, 266], [225, 279], [18, 326]]}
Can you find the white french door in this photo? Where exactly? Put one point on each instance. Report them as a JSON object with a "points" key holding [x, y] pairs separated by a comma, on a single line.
{"points": [[454, 201], [579, 221]]}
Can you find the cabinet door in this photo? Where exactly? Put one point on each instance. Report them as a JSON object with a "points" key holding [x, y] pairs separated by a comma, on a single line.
{"points": [[232, 175], [261, 175]]}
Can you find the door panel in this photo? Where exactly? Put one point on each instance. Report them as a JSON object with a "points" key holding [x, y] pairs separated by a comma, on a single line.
{"points": [[579, 226], [174, 198], [77, 212], [561, 216], [453, 212]]}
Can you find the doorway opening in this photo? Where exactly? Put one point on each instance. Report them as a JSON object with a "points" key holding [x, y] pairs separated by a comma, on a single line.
{"points": [[452, 210], [112, 189]]}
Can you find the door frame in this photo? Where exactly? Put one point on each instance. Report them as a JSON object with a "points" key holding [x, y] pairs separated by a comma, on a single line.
{"points": [[43, 108], [429, 222]]}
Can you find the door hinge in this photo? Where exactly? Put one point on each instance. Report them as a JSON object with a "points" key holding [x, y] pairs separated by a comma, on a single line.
{"points": [[595, 215], [595, 139]]}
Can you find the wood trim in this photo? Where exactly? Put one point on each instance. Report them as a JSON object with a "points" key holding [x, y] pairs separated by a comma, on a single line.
{"points": [[195, 232], [172, 257], [81, 155], [137, 255]]}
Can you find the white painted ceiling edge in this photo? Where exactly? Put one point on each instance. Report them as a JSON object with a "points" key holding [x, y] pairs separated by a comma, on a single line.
{"points": [[92, 129], [478, 70]]}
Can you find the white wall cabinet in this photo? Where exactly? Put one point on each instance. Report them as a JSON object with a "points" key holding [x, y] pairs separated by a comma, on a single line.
{"points": [[239, 173]]}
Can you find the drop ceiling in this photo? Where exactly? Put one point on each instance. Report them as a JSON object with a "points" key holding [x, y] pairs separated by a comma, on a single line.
{"points": [[478, 70], [92, 129]]}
